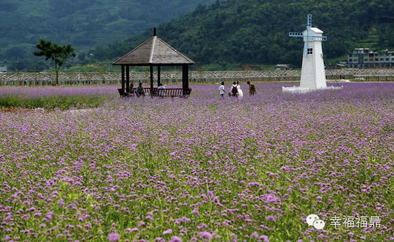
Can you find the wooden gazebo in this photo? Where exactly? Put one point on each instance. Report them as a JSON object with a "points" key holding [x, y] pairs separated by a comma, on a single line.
{"points": [[154, 52]]}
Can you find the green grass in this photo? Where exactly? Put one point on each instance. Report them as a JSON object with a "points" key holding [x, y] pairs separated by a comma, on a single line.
{"points": [[51, 102]]}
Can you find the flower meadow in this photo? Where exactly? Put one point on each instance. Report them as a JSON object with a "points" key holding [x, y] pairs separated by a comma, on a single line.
{"points": [[201, 169]]}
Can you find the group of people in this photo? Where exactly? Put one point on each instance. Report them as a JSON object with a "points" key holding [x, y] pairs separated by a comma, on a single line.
{"points": [[139, 91], [236, 91]]}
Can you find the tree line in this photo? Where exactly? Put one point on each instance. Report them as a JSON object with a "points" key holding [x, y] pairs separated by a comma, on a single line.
{"points": [[85, 24], [235, 32]]}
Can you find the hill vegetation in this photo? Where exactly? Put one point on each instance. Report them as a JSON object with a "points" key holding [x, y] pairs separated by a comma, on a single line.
{"points": [[225, 34], [237, 32], [85, 24]]}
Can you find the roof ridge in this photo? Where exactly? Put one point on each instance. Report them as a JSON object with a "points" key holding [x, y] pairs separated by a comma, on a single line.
{"points": [[168, 45], [136, 48], [155, 53], [152, 49]]}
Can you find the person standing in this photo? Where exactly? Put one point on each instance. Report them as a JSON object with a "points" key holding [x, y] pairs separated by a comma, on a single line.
{"points": [[252, 88], [233, 90], [221, 90], [240, 93]]}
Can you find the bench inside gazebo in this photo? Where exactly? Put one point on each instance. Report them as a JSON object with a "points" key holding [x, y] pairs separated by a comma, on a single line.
{"points": [[154, 52]]}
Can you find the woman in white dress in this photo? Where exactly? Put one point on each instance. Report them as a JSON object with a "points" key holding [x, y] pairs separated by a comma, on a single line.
{"points": [[240, 92]]}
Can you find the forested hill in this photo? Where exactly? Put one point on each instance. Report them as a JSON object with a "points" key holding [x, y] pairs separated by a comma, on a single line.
{"points": [[256, 31], [83, 23]]}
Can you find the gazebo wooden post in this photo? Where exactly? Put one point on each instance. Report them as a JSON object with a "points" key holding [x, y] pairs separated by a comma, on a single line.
{"points": [[185, 78], [127, 79], [151, 80], [158, 75], [123, 78]]}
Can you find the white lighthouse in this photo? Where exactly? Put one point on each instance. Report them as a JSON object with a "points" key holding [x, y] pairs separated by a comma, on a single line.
{"points": [[313, 76]]}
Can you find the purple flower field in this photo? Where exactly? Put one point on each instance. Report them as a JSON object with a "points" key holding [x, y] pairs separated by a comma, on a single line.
{"points": [[202, 169]]}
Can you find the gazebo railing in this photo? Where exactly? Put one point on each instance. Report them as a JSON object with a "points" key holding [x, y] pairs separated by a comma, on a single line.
{"points": [[159, 92], [173, 92]]}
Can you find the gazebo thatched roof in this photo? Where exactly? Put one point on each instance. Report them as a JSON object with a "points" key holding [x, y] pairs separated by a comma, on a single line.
{"points": [[154, 51]]}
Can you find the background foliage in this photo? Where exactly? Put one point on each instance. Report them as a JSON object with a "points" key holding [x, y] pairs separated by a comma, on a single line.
{"points": [[225, 34], [256, 32], [84, 24]]}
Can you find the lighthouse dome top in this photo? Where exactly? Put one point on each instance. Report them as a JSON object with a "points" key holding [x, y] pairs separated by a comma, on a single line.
{"points": [[315, 31]]}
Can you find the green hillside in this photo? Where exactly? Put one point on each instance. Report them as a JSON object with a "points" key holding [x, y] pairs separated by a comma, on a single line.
{"points": [[236, 32], [83, 23]]}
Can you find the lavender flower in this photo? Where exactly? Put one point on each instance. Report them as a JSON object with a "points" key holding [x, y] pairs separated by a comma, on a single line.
{"points": [[175, 239], [206, 235], [113, 237]]}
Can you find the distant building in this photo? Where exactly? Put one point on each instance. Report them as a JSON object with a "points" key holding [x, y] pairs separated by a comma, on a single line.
{"points": [[3, 69], [283, 67], [366, 58]]}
